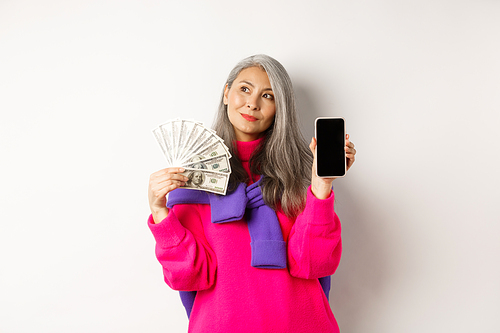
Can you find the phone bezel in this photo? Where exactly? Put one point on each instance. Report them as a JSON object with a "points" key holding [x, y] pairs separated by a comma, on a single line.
{"points": [[316, 136]]}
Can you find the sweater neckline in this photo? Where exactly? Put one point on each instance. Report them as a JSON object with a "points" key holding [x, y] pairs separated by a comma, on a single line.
{"points": [[246, 148]]}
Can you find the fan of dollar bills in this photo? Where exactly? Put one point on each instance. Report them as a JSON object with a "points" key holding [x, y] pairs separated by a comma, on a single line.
{"points": [[189, 144]]}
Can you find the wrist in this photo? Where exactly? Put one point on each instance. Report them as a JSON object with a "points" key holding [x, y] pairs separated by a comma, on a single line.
{"points": [[321, 189], [159, 214]]}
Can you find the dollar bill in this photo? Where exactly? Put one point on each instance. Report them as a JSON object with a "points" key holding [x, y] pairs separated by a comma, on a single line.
{"points": [[176, 134], [186, 128], [196, 131], [218, 163], [205, 180], [204, 135], [209, 140], [163, 145], [166, 130], [216, 149]]}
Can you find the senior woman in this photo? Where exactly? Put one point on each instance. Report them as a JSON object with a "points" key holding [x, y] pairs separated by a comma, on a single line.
{"points": [[267, 267]]}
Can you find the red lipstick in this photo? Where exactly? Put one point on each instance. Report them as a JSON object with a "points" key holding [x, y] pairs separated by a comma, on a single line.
{"points": [[248, 117]]}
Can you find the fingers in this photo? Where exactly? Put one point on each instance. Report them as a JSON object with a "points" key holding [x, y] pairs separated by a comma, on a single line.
{"points": [[312, 146], [350, 152], [162, 188], [171, 178], [350, 161], [167, 177], [167, 171], [162, 182], [348, 143], [349, 148], [159, 193]]}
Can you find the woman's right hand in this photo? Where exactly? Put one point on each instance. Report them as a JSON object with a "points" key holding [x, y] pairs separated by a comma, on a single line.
{"points": [[160, 184]]}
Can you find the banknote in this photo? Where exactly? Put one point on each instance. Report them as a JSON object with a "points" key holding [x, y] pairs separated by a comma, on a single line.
{"points": [[208, 141], [166, 130], [176, 133], [192, 139], [186, 129], [216, 149], [205, 180], [218, 163], [190, 144], [204, 135], [163, 145]]}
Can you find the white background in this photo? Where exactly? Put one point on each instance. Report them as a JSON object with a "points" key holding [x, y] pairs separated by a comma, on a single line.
{"points": [[82, 83]]}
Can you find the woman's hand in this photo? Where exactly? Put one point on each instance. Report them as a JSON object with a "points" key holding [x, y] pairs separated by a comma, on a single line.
{"points": [[350, 151], [321, 187], [160, 184]]}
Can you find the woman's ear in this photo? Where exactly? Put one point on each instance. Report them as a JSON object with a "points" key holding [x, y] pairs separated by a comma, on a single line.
{"points": [[226, 92]]}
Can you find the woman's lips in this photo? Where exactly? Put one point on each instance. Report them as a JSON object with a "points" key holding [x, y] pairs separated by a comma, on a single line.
{"points": [[248, 117]]}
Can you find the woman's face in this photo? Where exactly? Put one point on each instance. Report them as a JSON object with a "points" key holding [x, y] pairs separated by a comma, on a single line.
{"points": [[250, 104]]}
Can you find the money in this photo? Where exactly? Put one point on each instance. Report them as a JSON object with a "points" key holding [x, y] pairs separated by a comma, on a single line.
{"points": [[210, 181], [218, 163], [163, 145], [216, 149], [187, 127], [192, 138], [190, 144]]}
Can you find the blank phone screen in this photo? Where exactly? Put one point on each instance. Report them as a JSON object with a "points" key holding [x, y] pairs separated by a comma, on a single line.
{"points": [[330, 153]]}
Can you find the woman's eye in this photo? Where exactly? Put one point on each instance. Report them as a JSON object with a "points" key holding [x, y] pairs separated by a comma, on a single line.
{"points": [[245, 89], [269, 96]]}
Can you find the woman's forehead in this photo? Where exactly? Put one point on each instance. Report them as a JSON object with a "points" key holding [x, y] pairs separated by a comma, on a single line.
{"points": [[254, 76]]}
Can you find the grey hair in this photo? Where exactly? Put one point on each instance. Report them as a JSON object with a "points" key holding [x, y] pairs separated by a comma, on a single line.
{"points": [[283, 158]]}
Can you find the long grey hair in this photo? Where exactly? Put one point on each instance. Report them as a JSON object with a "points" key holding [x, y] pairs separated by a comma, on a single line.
{"points": [[283, 157]]}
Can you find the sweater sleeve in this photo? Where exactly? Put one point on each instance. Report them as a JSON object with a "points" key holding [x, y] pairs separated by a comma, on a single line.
{"points": [[187, 259], [314, 242]]}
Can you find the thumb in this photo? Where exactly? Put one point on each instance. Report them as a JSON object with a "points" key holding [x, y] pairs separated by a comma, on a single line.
{"points": [[312, 145]]}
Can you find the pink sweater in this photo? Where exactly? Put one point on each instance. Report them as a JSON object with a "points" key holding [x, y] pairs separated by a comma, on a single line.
{"points": [[233, 296]]}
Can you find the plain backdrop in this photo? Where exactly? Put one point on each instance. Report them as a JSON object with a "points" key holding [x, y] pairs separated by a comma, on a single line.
{"points": [[83, 83]]}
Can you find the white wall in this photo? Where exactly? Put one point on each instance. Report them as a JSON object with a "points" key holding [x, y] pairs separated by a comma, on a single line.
{"points": [[82, 83]]}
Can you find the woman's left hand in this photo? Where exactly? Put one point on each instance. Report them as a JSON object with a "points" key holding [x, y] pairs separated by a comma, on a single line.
{"points": [[321, 187], [349, 152]]}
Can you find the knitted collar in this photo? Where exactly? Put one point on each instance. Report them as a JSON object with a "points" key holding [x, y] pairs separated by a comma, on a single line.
{"points": [[246, 148]]}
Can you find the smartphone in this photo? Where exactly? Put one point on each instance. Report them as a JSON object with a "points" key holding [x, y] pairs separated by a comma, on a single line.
{"points": [[330, 153]]}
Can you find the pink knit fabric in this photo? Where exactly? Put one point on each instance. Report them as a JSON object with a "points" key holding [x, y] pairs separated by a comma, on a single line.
{"points": [[233, 296], [245, 150]]}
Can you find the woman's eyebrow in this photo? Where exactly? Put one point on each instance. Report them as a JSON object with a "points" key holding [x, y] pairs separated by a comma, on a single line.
{"points": [[247, 82], [251, 85]]}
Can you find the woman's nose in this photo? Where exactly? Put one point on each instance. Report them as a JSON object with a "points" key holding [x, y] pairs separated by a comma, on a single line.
{"points": [[253, 103]]}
